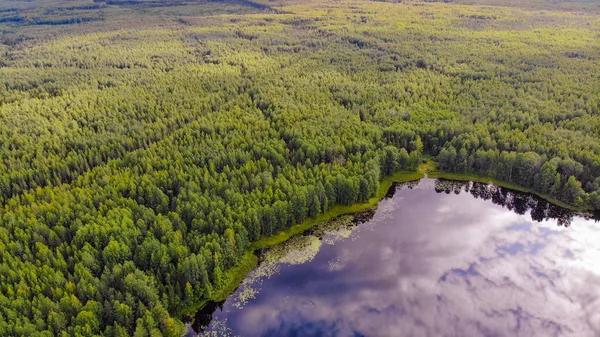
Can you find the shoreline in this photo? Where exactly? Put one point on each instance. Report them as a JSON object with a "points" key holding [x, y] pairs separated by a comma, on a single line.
{"points": [[500, 183], [249, 260]]}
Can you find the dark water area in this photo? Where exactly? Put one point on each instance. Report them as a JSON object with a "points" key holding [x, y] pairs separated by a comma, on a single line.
{"points": [[437, 258]]}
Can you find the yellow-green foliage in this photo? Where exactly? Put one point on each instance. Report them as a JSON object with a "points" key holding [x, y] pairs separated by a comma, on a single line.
{"points": [[146, 151]]}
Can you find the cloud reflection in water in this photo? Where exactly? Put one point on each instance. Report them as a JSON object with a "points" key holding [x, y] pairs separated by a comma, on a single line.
{"points": [[438, 264]]}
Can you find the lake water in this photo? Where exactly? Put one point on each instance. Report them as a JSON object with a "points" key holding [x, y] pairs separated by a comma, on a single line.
{"points": [[437, 258]]}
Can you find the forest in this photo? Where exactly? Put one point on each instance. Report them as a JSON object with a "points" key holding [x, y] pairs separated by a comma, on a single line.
{"points": [[145, 144]]}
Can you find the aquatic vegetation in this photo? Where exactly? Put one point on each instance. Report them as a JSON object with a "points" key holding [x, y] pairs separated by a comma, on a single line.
{"points": [[146, 146], [448, 243]]}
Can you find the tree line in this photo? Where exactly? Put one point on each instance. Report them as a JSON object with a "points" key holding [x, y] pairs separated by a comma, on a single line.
{"points": [[136, 166]]}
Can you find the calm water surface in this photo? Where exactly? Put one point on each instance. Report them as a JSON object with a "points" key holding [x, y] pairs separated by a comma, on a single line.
{"points": [[436, 258]]}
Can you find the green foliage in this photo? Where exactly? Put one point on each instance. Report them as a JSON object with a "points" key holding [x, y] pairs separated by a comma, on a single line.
{"points": [[138, 165]]}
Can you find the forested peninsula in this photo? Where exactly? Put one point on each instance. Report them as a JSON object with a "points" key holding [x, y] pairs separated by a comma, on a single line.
{"points": [[144, 145]]}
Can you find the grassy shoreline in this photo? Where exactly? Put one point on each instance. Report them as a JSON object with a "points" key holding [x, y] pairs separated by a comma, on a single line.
{"points": [[236, 275], [430, 169], [489, 180]]}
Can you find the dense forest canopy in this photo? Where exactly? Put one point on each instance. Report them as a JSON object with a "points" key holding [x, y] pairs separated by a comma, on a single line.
{"points": [[144, 144]]}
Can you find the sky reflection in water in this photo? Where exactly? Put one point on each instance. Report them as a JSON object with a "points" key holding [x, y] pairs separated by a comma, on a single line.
{"points": [[431, 263]]}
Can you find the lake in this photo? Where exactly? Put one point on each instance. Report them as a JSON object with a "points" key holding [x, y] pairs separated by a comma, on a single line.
{"points": [[436, 258]]}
